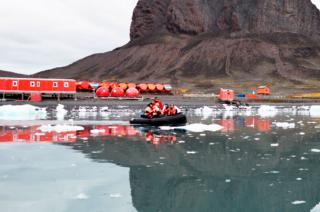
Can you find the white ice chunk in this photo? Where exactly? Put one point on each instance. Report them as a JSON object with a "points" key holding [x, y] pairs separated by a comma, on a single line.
{"points": [[197, 128], [285, 125], [298, 202], [267, 111], [61, 112], [315, 150], [315, 111], [22, 112], [316, 208], [82, 196]]}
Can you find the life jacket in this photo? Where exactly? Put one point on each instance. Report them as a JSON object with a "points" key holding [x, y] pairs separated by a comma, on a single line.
{"points": [[173, 111], [160, 105], [148, 112], [166, 111]]}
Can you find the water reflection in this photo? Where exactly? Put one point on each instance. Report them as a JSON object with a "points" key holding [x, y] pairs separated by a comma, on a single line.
{"points": [[250, 165]]}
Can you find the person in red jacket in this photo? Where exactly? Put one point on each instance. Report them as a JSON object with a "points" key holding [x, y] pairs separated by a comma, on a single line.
{"points": [[148, 112], [157, 102]]}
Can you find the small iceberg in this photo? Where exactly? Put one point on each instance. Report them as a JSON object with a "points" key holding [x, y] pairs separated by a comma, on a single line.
{"points": [[267, 111]]}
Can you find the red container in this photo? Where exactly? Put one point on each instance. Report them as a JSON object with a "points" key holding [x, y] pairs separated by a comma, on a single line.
{"points": [[143, 87], [124, 86], [83, 85], [226, 95], [132, 85], [114, 85], [151, 87], [103, 92], [117, 92], [159, 87], [251, 96], [132, 92]]}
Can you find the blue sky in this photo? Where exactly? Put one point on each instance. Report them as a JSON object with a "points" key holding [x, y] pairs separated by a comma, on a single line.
{"points": [[36, 35]]}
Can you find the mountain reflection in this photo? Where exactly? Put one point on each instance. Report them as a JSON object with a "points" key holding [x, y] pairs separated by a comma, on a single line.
{"points": [[235, 169]]}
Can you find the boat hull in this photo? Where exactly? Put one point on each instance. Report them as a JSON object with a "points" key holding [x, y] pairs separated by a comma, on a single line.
{"points": [[161, 121]]}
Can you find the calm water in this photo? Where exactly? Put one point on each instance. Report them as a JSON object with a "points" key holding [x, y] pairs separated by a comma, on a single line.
{"points": [[254, 163]]}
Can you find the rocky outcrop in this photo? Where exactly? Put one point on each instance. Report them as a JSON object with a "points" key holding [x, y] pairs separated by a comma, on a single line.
{"points": [[241, 17], [199, 42]]}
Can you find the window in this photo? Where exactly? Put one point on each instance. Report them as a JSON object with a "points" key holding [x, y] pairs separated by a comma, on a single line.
{"points": [[66, 84], [32, 84], [14, 83], [55, 84], [38, 84]]}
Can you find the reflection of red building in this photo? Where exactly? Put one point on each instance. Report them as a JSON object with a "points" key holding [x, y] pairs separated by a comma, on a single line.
{"points": [[32, 134], [227, 124], [263, 125]]}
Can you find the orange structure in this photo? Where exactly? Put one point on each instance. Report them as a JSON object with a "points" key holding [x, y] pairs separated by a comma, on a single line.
{"points": [[226, 95], [263, 90], [132, 92]]}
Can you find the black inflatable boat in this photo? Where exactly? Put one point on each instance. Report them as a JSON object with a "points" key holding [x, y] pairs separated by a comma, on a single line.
{"points": [[163, 120]]}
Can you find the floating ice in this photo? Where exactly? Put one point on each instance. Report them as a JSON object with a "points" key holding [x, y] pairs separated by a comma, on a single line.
{"points": [[285, 125], [205, 111], [191, 152], [228, 181], [315, 150], [267, 111], [115, 195], [316, 208], [315, 111], [61, 112], [298, 202], [22, 112], [60, 128], [198, 128], [82, 196]]}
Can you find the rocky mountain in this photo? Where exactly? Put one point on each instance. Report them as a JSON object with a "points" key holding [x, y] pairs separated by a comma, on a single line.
{"points": [[10, 74], [207, 42]]}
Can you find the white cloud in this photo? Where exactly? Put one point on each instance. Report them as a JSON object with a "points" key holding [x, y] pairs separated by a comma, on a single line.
{"points": [[41, 34], [316, 2]]}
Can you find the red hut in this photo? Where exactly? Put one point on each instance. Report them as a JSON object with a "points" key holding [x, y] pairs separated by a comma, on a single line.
{"points": [[123, 85], [151, 87], [226, 95], [263, 90], [117, 92], [159, 87], [143, 87], [102, 92], [132, 92], [83, 86], [132, 85]]}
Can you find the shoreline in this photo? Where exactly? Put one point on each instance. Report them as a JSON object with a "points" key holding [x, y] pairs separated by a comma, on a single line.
{"points": [[177, 100]]}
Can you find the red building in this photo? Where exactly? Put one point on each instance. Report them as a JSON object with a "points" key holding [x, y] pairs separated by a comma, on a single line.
{"points": [[37, 85]]}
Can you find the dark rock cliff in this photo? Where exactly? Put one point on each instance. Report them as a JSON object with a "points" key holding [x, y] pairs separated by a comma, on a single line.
{"points": [[240, 17]]}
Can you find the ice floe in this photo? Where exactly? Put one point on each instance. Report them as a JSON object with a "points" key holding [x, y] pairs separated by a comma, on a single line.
{"points": [[82, 196], [315, 150], [285, 125], [315, 111], [316, 208], [61, 112], [298, 202], [22, 112], [267, 111]]}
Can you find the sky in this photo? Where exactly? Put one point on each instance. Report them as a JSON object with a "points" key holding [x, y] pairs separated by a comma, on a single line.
{"points": [[37, 35]]}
